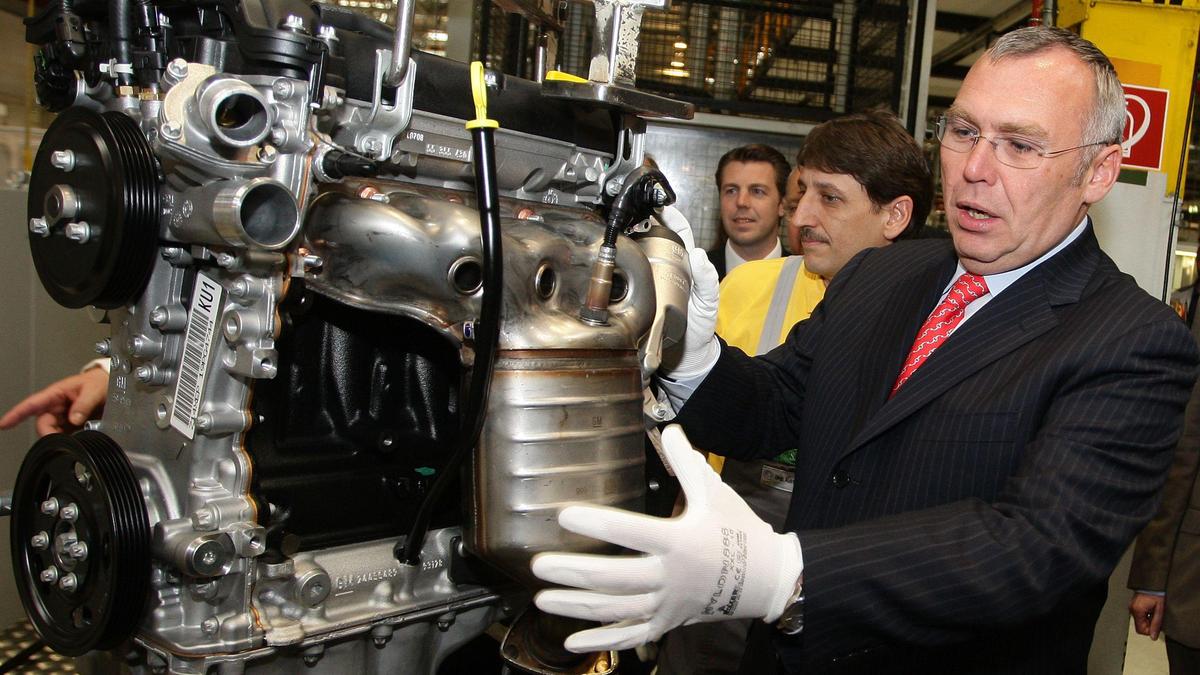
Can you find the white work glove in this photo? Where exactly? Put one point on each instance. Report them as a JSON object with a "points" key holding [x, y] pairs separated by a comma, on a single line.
{"points": [[715, 561], [699, 349]]}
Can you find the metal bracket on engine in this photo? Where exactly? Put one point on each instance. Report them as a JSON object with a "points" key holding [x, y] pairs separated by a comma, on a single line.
{"points": [[373, 131]]}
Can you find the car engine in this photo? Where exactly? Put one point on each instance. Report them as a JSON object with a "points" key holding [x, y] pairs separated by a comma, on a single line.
{"points": [[375, 317]]}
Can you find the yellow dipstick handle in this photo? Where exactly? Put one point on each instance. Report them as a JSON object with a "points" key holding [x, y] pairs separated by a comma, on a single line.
{"points": [[479, 93]]}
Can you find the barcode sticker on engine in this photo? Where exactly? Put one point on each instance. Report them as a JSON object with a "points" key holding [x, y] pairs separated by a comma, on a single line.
{"points": [[202, 323]]}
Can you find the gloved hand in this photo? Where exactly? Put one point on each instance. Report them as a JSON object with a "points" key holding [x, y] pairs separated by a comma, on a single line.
{"points": [[699, 349], [715, 561]]}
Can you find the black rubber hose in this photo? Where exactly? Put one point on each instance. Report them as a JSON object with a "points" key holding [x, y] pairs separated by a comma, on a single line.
{"points": [[345, 19], [487, 338], [150, 40], [636, 200], [120, 22]]}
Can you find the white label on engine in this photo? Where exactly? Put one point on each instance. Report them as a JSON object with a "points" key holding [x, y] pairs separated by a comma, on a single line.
{"points": [[202, 323]]}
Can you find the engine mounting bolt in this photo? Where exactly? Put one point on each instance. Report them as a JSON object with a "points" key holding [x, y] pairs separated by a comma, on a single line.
{"points": [[268, 154], [204, 519], [210, 625], [283, 88], [39, 227], [178, 68], [69, 512], [50, 507], [40, 540], [313, 654], [49, 575], [63, 160], [68, 583], [78, 551], [78, 232], [158, 316], [292, 22], [171, 130]]}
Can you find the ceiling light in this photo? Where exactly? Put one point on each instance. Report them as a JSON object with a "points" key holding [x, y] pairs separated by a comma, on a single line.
{"points": [[674, 72]]}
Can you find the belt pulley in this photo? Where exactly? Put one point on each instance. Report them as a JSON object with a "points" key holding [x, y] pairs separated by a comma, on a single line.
{"points": [[80, 542], [93, 209]]}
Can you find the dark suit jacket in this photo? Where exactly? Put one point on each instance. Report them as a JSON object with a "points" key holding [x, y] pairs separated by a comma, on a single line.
{"points": [[969, 524], [717, 258], [1167, 556]]}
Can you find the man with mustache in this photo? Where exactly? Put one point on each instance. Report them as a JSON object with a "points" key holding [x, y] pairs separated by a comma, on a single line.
{"points": [[982, 424], [860, 181], [751, 183]]}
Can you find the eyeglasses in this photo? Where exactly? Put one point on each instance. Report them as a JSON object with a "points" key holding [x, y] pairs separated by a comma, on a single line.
{"points": [[1015, 151]]}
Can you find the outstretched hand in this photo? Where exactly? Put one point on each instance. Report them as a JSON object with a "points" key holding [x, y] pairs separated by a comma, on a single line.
{"points": [[63, 406], [715, 561]]}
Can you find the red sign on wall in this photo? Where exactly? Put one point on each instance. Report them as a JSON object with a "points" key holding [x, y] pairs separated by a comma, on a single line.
{"points": [[1145, 124]]}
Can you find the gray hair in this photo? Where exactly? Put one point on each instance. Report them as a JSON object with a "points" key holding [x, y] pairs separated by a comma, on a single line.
{"points": [[1106, 121]]}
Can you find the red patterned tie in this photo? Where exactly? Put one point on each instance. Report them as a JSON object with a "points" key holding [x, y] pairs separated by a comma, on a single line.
{"points": [[940, 323]]}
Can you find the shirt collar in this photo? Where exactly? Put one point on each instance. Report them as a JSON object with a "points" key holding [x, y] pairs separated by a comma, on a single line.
{"points": [[732, 259], [996, 283]]}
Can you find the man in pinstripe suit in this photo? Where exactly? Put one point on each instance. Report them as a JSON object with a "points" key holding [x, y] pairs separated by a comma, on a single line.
{"points": [[960, 516]]}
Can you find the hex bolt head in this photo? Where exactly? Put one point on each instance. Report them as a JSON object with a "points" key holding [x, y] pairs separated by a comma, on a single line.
{"points": [[69, 582], [326, 33], [39, 226], [293, 22], [82, 475], [70, 512], [178, 68], [204, 519], [144, 373], [158, 316], [50, 507], [210, 625], [78, 232], [40, 541], [268, 154], [63, 160], [103, 347], [613, 187], [226, 260], [49, 575], [78, 551], [283, 88]]}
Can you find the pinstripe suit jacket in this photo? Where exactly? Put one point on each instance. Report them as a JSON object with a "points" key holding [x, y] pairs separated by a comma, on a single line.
{"points": [[968, 524]]}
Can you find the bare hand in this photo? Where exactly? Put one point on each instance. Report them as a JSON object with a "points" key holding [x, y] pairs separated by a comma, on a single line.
{"points": [[64, 405], [1147, 612]]}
